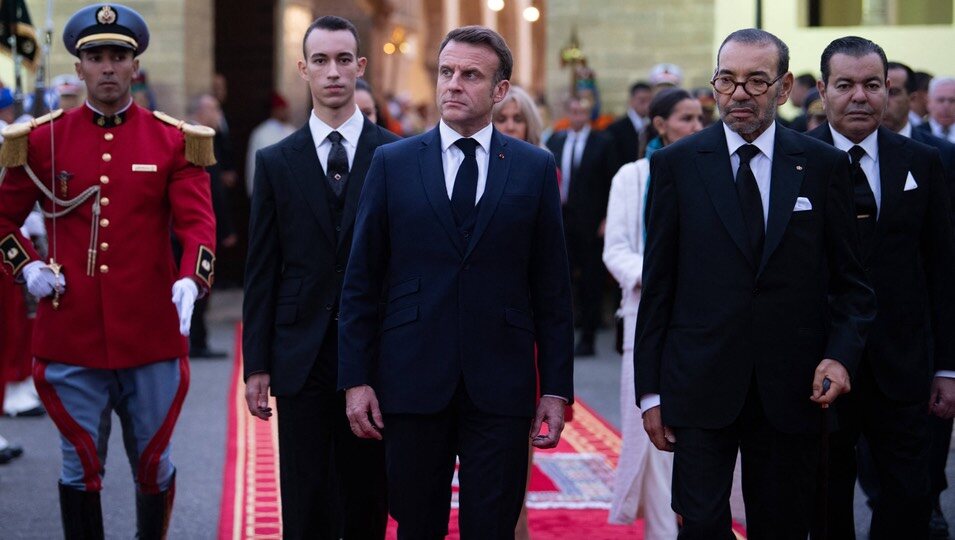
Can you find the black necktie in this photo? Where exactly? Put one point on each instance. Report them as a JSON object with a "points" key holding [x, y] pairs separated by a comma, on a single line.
{"points": [[750, 201], [866, 209], [464, 192], [337, 169]]}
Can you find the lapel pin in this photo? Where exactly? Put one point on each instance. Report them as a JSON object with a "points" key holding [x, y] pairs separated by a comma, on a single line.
{"points": [[798, 167], [501, 155]]}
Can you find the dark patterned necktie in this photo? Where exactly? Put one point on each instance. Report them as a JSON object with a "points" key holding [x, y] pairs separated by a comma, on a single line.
{"points": [[464, 192], [750, 200], [337, 169], [866, 209]]}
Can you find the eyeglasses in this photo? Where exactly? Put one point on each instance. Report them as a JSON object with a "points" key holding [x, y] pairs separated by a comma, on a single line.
{"points": [[754, 86]]}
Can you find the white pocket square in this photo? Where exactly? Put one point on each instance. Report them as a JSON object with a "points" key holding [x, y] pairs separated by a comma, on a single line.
{"points": [[910, 183], [802, 204]]}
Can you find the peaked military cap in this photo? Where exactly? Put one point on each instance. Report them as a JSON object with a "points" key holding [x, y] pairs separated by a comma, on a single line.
{"points": [[106, 24]]}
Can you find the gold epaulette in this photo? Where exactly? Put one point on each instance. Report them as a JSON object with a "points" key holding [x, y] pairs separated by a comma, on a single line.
{"points": [[13, 153], [199, 150]]}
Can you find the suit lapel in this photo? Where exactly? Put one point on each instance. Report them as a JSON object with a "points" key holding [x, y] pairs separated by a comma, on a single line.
{"points": [[367, 142], [432, 176], [893, 171], [498, 164], [713, 164], [307, 172], [786, 180]]}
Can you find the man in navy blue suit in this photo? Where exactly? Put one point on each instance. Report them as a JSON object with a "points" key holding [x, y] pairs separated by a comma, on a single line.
{"points": [[457, 270]]}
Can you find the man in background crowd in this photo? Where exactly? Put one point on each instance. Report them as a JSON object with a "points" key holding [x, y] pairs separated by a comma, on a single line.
{"points": [[275, 128], [587, 160], [627, 129], [941, 108]]}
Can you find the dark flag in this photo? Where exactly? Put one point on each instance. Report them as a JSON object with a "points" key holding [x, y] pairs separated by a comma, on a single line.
{"points": [[15, 20]]}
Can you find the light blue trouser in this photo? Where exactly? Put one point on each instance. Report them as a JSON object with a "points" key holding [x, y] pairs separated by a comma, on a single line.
{"points": [[81, 401]]}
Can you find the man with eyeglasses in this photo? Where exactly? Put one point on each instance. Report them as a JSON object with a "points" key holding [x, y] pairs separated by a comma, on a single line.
{"points": [[907, 249], [753, 295]]}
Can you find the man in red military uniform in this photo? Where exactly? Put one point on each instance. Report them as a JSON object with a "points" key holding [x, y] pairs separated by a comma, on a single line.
{"points": [[113, 180]]}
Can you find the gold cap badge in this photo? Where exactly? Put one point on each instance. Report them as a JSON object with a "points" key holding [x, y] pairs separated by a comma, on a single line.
{"points": [[106, 15]]}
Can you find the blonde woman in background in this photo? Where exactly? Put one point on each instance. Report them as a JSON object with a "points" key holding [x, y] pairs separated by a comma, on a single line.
{"points": [[642, 479], [516, 116]]}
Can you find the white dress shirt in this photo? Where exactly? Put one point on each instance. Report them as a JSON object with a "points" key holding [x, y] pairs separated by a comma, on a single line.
{"points": [[452, 156], [915, 119], [869, 162], [761, 164], [939, 131], [638, 121], [350, 132], [906, 130]]}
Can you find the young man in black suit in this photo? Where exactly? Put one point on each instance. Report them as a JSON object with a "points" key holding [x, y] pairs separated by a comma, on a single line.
{"points": [[300, 234], [587, 160], [907, 249], [753, 295]]}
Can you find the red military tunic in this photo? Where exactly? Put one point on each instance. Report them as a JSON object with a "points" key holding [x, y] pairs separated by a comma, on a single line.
{"points": [[122, 315]]}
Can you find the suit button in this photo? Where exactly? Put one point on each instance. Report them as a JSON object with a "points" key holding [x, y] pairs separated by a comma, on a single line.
{"points": [[467, 235], [104, 222], [756, 291], [104, 246], [338, 228], [104, 179], [339, 269], [328, 307], [108, 136], [107, 157], [103, 268], [104, 201]]}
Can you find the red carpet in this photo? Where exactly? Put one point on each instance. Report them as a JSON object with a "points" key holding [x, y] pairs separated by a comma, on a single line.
{"points": [[569, 494]]}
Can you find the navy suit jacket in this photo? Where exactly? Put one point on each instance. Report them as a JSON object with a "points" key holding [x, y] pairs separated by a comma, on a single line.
{"points": [[454, 308], [713, 319], [295, 267], [910, 264]]}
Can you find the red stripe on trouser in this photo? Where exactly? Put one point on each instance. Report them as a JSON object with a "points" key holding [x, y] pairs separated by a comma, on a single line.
{"points": [[73, 432], [152, 455]]}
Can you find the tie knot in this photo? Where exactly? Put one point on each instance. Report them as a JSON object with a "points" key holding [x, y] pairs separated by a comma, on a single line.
{"points": [[467, 145], [335, 137], [746, 153], [856, 153]]}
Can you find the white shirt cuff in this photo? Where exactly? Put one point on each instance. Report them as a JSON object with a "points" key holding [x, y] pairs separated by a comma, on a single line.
{"points": [[649, 401], [562, 398], [947, 373]]}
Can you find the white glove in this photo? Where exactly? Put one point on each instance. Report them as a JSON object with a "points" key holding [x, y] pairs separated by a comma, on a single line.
{"points": [[184, 294], [41, 281], [33, 226]]}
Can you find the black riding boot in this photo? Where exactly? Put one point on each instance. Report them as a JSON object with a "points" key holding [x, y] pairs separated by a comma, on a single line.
{"points": [[153, 512], [81, 513]]}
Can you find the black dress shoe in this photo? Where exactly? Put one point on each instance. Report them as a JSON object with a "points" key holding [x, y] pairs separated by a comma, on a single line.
{"points": [[938, 526], [584, 348], [32, 412], [10, 452], [205, 352]]}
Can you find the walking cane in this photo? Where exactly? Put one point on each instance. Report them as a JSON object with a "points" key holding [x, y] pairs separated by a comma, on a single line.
{"points": [[823, 477]]}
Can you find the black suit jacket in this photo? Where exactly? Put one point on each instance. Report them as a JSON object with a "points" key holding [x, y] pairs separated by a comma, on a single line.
{"points": [[946, 151], [626, 140], [295, 265], [910, 264], [460, 307], [586, 204], [712, 320]]}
